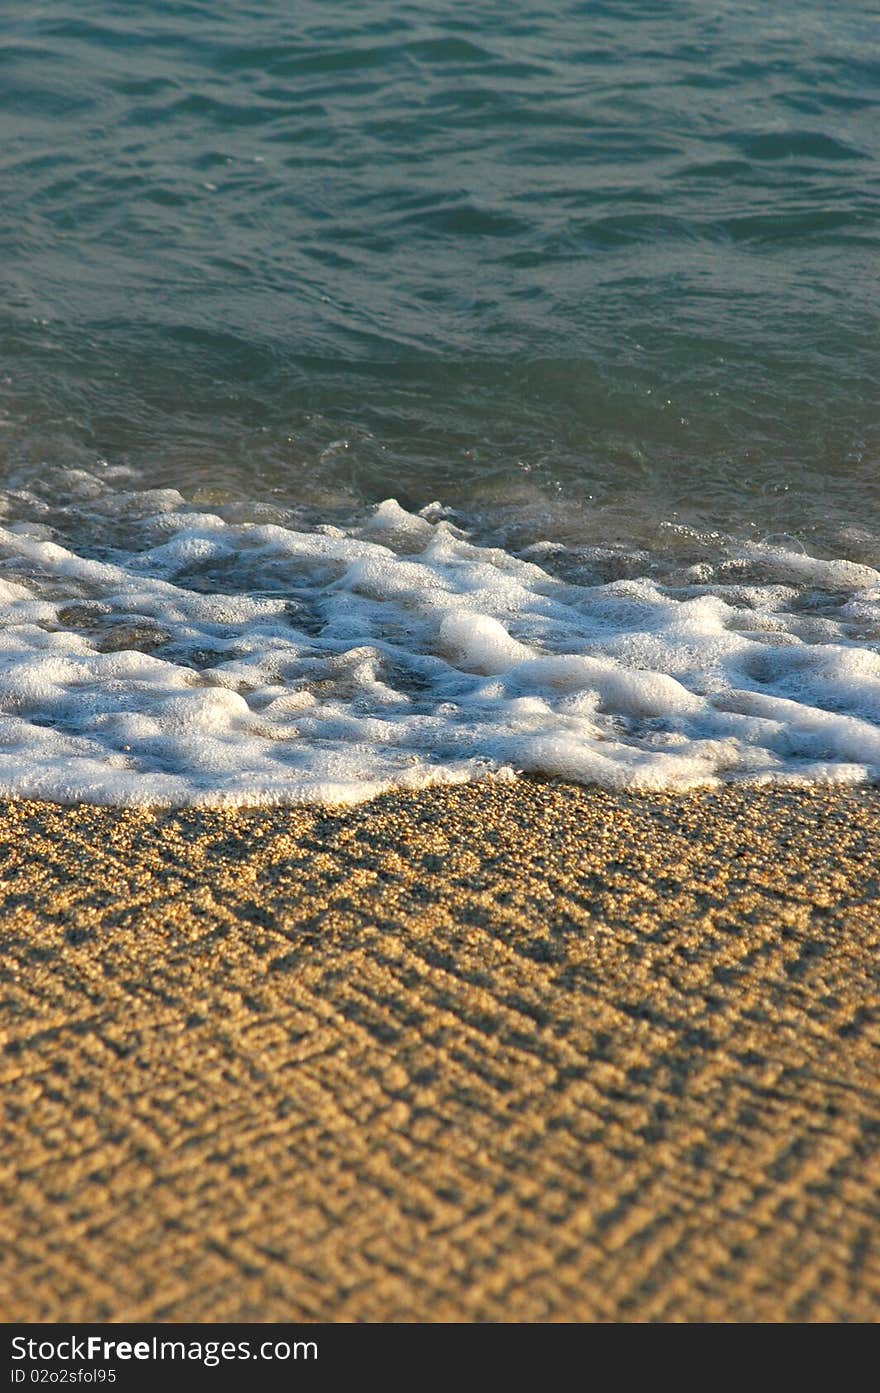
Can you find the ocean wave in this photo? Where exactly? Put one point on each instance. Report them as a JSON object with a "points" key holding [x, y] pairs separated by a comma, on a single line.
{"points": [[212, 662]]}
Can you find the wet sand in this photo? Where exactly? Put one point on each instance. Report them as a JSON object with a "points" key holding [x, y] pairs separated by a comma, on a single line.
{"points": [[506, 1052]]}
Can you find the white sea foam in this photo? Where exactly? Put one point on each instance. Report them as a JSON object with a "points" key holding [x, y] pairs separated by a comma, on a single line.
{"points": [[199, 660]]}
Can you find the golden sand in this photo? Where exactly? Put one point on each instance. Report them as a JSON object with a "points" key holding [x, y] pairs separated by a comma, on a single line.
{"points": [[507, 1052]]}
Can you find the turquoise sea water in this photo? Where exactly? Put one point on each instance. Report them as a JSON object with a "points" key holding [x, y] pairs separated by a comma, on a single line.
{"points": [[621, 254], [600, 275]]}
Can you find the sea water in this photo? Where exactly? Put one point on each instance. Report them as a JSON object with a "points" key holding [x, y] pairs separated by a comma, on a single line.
{"points": [[394, 394]]}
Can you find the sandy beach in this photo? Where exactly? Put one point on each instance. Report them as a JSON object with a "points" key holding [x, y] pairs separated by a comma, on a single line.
{"points": [[507, 1052]]}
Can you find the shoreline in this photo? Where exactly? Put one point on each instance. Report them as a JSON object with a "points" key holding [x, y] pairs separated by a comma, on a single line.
{"points": [[505, 1051]]}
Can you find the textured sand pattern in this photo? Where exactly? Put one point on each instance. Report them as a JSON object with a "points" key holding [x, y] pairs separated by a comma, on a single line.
{"points": [[505, 1053]]}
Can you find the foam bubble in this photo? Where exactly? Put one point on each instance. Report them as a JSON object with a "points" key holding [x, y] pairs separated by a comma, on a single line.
{"points": [[199, 660]]}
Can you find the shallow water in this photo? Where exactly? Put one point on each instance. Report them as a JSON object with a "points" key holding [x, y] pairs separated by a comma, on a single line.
{"points": [[590, 290]]}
